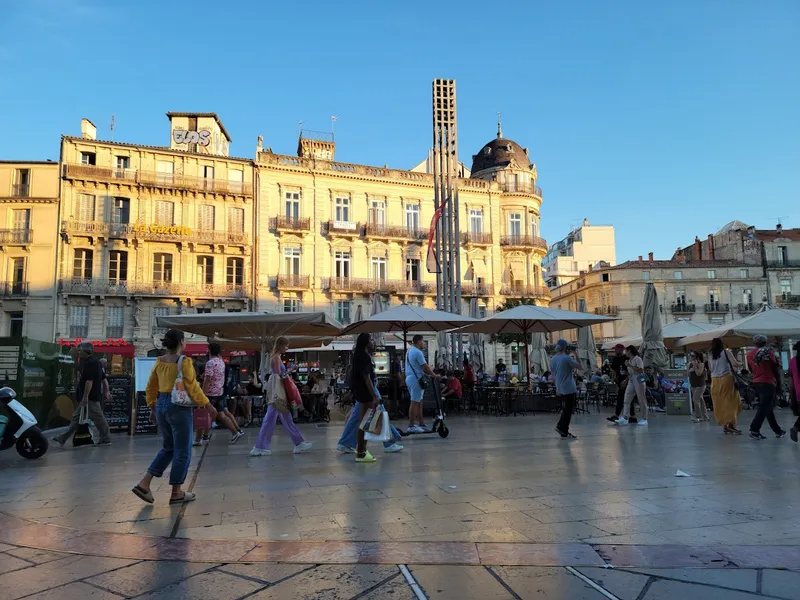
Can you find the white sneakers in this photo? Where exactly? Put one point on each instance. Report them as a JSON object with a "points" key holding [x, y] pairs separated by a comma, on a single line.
{"points": [[393, 448], [624, 421], [345, 449], [416, 429], [642, 421], [259, 452], [302, 447]]}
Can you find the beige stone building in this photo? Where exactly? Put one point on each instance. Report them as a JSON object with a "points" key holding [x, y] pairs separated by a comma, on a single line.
{"points": [[152, 230], [28, 237], [708, 290], [332, 234], [584, 247]]}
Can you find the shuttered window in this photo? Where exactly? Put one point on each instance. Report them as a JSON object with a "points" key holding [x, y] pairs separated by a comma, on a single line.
{"points": [[205, 217], [86, 208], [165, 213], [79, 322], [115, 321], [236, 220]]}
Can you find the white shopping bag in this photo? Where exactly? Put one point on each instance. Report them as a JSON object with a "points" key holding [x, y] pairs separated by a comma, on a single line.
{"points": [[83, 418], [386, 430]]}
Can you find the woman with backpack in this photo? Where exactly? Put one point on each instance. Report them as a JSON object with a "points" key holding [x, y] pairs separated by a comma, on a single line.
{"points": [[173, 379]]}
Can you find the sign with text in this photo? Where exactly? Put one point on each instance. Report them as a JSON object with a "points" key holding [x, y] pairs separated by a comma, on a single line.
{"points": [[182, 136]]}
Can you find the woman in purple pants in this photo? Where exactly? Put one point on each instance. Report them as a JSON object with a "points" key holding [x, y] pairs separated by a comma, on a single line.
{"points": [[278, 405]]}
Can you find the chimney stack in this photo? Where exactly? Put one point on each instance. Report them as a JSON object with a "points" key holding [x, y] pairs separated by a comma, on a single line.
{"points": [[710, 247], [640, 258], [698, 249], [650, 256], [88, 130], [779, 229], [260, 145]]}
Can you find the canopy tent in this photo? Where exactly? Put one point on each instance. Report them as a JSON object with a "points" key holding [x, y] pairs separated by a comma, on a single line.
{"points": [[652, 348], [528, 318], [671, 333], [255, 327], [769, 321]]}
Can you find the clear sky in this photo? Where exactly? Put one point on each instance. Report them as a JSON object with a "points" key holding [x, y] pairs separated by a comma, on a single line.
{"points": [[666, 119]]}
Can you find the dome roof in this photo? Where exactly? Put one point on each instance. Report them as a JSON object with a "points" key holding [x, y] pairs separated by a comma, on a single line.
{"points": [[499, 153]]}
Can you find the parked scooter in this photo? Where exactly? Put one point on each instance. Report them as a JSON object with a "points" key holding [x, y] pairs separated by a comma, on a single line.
{"points": [[21, 428]]}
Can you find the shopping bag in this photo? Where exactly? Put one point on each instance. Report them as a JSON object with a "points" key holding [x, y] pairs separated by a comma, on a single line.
{"points": [[83, 435], [292, 393], [201, 418], [367, 420], [385, 433]]}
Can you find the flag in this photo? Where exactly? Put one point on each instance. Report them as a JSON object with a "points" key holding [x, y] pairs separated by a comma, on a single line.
{"points": [[334, 118], [432, 262]]}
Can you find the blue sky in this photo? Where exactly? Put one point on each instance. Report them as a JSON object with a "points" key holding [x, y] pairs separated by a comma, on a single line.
{"points": [[665, 119]]}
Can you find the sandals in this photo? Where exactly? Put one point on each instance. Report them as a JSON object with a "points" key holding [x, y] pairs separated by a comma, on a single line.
{"points": [[187, 497], [147, 496]]}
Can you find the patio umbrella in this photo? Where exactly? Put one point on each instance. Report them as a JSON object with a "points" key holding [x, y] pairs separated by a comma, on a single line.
{"points": [[257, 327], [769, 321], [377, 308], [475, 339], [652, 348], [587, 350], [538, 357], [528, 318], [672, 333], [444, 351]]}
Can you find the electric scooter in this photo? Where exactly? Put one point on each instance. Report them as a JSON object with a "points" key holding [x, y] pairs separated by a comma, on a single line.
{"points": [[438, 422], [21, 428]]}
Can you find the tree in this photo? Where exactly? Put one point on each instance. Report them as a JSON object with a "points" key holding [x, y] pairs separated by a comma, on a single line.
{"points": [[508, 339]]}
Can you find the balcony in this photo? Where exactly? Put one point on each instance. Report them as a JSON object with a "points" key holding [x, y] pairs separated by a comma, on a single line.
{"points": [[473, 238], [16, 237], [290, 224], [20, 190], [154, 232], [220, 237], [92, 172], [15, 289], [370, 286], [610, 311], [681, 308], [716, 307], [476, 290], [394, 232], [411, 287], [108, 287], [346, 229], [292, 282], [525, 291], [747, 308], [513, 187], [79, 286], [524, 241], [787, 300], [783, 264]]}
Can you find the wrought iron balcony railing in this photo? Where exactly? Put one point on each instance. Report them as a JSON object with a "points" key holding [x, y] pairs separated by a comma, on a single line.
{"points": [[681, 308], [611, 311], [473, 238], [523, 241], [283, 223], [16, 237], [14, 289], [716, 307], [525, 291]]}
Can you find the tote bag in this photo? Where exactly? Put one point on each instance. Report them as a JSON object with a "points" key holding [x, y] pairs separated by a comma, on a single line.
{"points": [[179, 394]]}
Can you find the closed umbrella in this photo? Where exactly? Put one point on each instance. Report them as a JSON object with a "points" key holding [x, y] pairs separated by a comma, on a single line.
{"points": [[377, 308], [475, 357], [539, 359], [587, 350], [652, 348]]}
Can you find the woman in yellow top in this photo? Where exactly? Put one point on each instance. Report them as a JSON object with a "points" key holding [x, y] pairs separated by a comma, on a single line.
{"points": [[174, 421]]}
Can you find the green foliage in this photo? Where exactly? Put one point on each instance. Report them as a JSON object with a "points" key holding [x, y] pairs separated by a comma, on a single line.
{"points": [[508, 339]]}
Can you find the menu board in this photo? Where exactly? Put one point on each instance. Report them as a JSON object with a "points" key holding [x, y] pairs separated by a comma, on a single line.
{"points": [[9, 363], [118, 411], [143, 424]]}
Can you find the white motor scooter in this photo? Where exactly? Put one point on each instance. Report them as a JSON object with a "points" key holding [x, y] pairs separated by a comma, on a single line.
{"points": [[21, 430]]}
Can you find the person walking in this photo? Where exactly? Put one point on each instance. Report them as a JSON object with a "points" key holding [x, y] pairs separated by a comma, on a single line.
{"points": [[794, 390], [214, 389], [635, 387], [278, 405], [763, 365], [697, 384], [363, 386], [620, 370], [174, 421], [725, 397], [564, 367], [416, 368], [90, 393]]}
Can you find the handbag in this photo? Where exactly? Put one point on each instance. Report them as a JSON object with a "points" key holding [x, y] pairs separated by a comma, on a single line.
{"points": [[739, 382], [372, 422], [179, 394], [83, 435], [423, 381], [385, 433], [292, 393], [201, 419]]}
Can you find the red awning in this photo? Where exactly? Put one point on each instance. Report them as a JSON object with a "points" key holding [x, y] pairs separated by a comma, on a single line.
{"points": [[109, 346]]}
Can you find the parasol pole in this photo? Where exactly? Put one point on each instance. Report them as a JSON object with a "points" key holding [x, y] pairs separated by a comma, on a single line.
{"points": [[527, 360]]}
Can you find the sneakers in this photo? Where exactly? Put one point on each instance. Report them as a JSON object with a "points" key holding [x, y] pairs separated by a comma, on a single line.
{"points": [[302, 447], [756, 435], [415, 429], [367, 458], [793, 434], [345, 449], [642, 422], [236, 437], [393, 448], [732, 429], [621, 421], [658, 409], [780, 435], [612, 418], [696, 420], [260, 452], [197, 443]]}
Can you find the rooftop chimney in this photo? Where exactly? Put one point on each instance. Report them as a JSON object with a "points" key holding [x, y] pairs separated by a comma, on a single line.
{"points": [[779, 228], [640, 258], [260, 145], [710, 247], [586, 222], [698, 249], [650, 256], [88, 130]]}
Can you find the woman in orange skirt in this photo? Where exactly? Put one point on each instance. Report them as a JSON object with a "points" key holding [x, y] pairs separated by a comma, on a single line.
{"points": [[724, 395]]}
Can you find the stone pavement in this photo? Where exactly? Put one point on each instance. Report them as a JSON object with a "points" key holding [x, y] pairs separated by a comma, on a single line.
{"points": [[502, 508]]}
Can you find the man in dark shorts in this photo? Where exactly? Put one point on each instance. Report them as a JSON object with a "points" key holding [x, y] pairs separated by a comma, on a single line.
{"points": [[621, 379], [214, 389]]}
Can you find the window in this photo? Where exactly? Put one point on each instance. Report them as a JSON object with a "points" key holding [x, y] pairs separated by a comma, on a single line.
{"points": [[476, 220], [342, 265], [205, 217], [162, 267], [22, 183], [165, 213], [782, 255], [86, 208], [342, 209], [534, 228], [18, 276], [235, 272], [680, 297], [292, 205], [207, 172], [203, 311], [120, 211], [678, 275], [379, 268], [606, 277], [747, 298], [341, 311], [412, 217], [82, 264], [717, 320], [291, 305], [236, 179], [481, 311], [15, 323], [646, 275], [123, 163], [711, 273], [88, 158], [165, 171], [514, 224], [118, 267], [115, 322], [744, 273], [159, 311], [713, 298], [79, 322], [377, 212], [291, 261], [205, 270], [22, 219], [235, 220], [786, 287], [412, 269]]}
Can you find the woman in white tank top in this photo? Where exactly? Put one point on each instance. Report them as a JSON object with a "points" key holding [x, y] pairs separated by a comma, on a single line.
{"points": [[724, 396]]}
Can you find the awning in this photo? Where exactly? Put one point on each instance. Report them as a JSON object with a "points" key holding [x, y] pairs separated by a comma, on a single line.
{"points": [[479, 268], [109, 346]]}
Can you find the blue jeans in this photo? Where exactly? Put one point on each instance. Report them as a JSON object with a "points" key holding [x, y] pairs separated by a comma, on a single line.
{"points": [[350, 433], [176, 426]]}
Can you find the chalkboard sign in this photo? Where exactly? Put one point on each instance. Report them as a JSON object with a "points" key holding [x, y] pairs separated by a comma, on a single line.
{"points": [[118, 412], [143, 424]]}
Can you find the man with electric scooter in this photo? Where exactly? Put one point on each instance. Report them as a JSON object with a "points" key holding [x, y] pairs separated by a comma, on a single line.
{"points": [[416, 370]]}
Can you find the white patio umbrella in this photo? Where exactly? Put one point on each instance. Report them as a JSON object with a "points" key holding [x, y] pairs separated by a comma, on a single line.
{"points": [[587, 350], [672, 333], [652, 348], [528, 318], [257, 327], [769, 321], [538, 357]]}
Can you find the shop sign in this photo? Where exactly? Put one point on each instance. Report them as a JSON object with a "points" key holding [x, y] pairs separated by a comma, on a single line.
{"points": [[182, 136], [164, 229], [107, 343]]}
